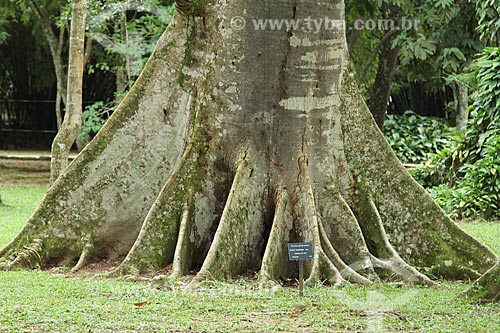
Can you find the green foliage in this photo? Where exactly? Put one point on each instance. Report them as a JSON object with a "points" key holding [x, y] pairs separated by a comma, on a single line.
{"points": [[468, 172], [4, 35], [444, 45], [414, 137], [488, 13], [417, 48], [128, 31], [93, 118], [452, 58]]}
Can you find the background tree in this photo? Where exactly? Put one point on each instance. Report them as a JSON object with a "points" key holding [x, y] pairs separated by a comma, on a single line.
{"points": [[56, 45], [73, 116], [127, 33], [433, 53], [26, 73]]}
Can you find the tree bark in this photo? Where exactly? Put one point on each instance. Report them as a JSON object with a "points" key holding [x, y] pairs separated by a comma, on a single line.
{"points": [[233, 143], [55, 46], [70, 127], [461, 97], [487, 288], [381, 89]]}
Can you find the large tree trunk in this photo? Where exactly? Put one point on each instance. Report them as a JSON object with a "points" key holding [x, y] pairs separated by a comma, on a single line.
{"points": [[234, 142], [70, 127], [381, 89]]}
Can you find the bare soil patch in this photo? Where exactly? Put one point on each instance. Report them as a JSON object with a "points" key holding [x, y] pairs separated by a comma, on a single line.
{"points": [[24, 172]]}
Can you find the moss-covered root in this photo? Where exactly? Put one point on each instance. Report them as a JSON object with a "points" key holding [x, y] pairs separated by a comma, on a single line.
{"points": [[487, 288], [274, 261], [183, 251], [157, 240], [340, 231], [85, 255], [239, 234], [389, 259], [419, 230], [307, 217], [347, 272], [29, 257]]}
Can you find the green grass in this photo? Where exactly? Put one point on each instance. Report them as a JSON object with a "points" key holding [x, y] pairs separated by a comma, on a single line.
{"points": [[18, 203], [487, 232], [49, 302]]}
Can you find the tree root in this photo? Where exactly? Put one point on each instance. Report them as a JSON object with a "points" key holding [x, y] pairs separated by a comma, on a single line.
{"points": [[273, 264], [238, 230], [346, 272], [393, 262], [143, 256], [346, 234], [322, 267], [84, 256], [487, 288], [29, 256], [182, 255]]}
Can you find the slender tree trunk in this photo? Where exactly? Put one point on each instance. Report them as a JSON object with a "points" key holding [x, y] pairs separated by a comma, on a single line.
{"points": [[72, 118], [122, 72], [461, 97], [387, 37], [60, 94], [353, 39], [56, 45], [381, 89], [233, 142], [81, 142], [59, 119]]}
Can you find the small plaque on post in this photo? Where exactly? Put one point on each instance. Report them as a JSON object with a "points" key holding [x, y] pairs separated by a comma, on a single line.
{"points": [[300, 251]]}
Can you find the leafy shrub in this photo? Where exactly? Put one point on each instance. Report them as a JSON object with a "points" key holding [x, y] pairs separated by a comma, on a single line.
{"points": [[93, 117], [414, 137], [469, 171]]}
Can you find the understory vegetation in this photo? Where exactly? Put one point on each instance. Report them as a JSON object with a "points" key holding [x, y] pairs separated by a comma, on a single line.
{"points": [[414, 138], [460, 171], [57, 301]]}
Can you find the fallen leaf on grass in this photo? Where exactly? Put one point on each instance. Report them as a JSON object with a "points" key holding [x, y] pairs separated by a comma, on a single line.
{"points": [[18, 308], [142, 303], [317, 305], [296, 311]]}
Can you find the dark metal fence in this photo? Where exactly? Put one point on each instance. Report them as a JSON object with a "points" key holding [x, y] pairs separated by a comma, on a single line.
{"points": [[27, 124]]}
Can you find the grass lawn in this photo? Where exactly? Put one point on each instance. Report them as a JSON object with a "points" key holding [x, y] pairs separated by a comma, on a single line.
{"points": [[19, 202], [53, 302]]}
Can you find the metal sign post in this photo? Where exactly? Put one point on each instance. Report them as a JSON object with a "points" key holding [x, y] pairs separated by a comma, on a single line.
{"points": [[300, 252]]}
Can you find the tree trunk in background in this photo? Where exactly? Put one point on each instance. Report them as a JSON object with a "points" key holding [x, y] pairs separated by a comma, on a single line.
{"points": [[234, 142], [123, 79], [353, 39], [56, 46], [461, 97], [381, 89], [69, 130]]}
